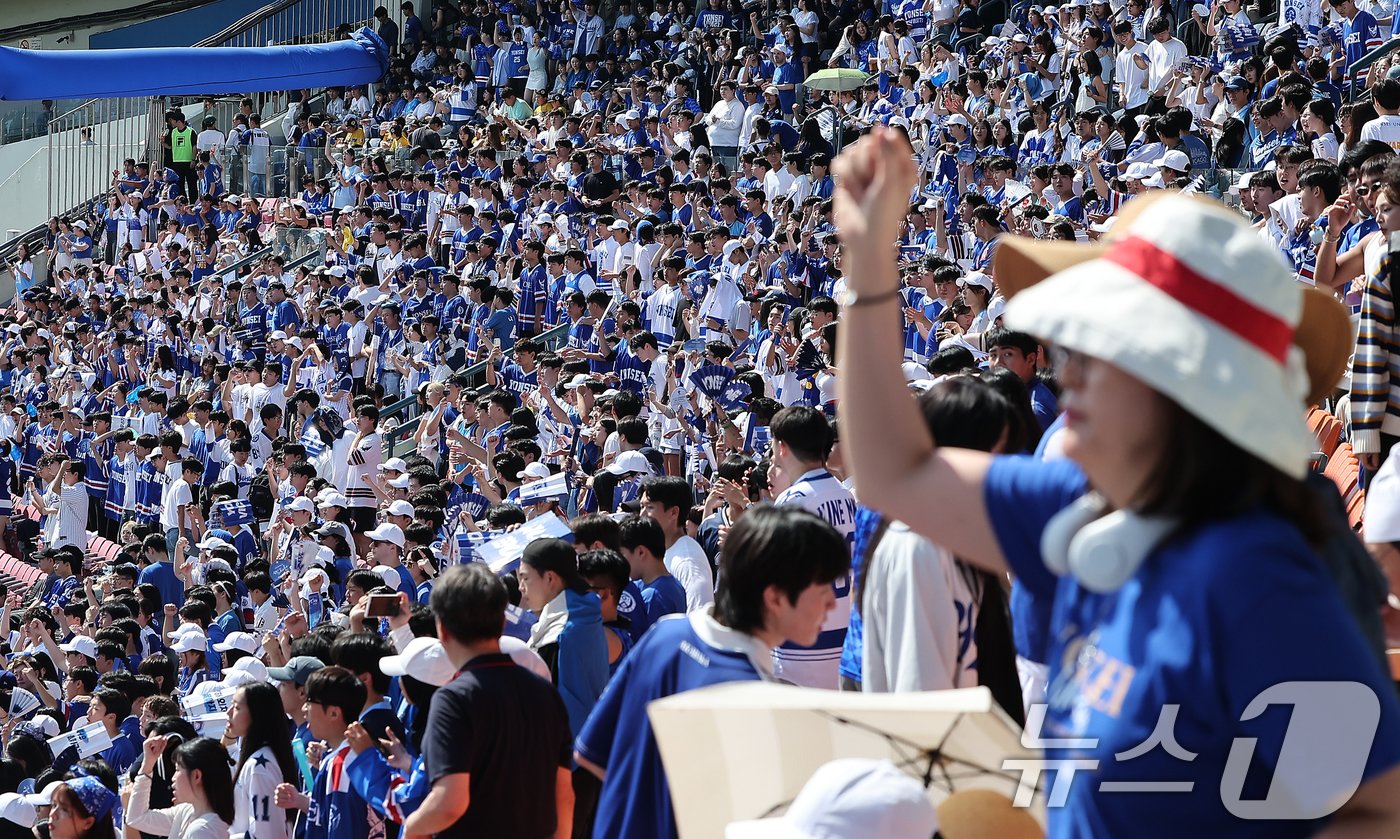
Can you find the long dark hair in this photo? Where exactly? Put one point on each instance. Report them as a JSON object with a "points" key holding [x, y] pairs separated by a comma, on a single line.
{"points": [[1186, 481], [160, 667], [1023, 433], [421, 694], [210, 759], [268, 728]]}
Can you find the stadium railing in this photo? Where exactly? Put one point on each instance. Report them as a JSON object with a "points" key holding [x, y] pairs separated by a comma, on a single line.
{"points": [[398, 440]]}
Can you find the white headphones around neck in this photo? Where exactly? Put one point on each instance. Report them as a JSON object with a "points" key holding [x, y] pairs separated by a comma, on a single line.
{"points": [[1102, 551]]}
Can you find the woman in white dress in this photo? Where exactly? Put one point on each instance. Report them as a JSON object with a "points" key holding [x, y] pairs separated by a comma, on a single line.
{"points": [[537, 59]]}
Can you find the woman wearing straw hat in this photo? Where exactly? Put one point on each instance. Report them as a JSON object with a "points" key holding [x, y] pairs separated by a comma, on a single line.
{"points": [[1173, 550]]}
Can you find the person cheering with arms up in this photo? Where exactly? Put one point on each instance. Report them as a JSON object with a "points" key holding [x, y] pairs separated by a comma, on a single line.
{"points": [[1180, 604]]}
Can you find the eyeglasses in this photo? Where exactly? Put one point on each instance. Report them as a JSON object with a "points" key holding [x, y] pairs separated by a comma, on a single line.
{"points": [[1366, 189], [1067, 362]]}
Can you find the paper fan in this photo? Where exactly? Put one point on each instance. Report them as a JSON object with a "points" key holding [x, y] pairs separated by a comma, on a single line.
{"points": [[734, 395], [712, 379], [22, 702]]}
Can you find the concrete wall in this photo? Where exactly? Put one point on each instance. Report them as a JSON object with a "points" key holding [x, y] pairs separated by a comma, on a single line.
{"points": [[24, 194], [178, 30]]}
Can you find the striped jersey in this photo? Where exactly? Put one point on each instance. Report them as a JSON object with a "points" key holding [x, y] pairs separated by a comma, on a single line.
{"points": [[820, 493]]}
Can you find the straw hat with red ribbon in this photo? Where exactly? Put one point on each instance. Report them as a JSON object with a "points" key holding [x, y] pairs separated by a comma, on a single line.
{"points": [[1185, 296]]}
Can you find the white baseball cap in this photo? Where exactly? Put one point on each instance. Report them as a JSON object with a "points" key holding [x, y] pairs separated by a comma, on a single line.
{"points": [[394, 464], [386, 533], [238, 641], [331, 498], [390, 575], [976, 278], [424, 659], [189, 641], [251, 665], [632, 461], [1139, 171], [44, 797], [619, 225], [40, 725], [1174, 159], [401, 508], [300, 504], [851, 798], [209, 543], [80, 644], [915, 372], [535, 470]]}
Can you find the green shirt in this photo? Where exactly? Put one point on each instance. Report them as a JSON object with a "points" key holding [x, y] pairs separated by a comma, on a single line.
{"points": [[182, 145]]}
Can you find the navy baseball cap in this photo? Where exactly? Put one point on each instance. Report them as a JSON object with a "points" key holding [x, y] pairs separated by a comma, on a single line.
{"points": [[298, 670]]}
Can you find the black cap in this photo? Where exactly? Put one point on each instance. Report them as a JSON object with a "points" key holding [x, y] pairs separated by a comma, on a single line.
{"points": [[554, 555]]}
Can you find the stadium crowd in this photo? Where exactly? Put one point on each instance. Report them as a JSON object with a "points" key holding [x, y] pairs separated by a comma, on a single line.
{"points": [[647, 348]]}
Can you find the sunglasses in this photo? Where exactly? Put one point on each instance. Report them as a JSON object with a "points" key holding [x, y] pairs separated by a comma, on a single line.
{"points": [[1366, 189]]}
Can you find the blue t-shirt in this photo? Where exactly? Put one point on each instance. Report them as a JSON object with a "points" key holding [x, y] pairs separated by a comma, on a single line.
{"points": [[1210, 621], [122, 753], [162, 576], [1043, 403], [336, 812], [661, 597], [635, 802]]}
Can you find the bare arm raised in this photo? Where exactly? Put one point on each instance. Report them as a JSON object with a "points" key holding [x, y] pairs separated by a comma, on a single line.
{"points": [[898, 468]]}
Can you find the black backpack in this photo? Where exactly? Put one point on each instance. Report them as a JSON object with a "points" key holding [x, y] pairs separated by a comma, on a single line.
{"points": [[260, 496]]}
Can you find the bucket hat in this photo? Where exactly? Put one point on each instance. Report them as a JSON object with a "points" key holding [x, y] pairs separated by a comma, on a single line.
{"points": [[1187, 298]]}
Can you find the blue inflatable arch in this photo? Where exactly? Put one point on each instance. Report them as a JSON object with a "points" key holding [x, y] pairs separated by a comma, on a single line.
{"points": [[31, 75]]}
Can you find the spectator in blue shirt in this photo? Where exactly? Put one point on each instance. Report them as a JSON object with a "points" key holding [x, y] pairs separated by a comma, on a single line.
{"points": [[332, 810], [160, 571], [501, 322], [784, 76], [772, 555]]}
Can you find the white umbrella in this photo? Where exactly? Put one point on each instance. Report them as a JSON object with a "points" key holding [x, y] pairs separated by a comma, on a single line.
{"points": [[743, 750]]}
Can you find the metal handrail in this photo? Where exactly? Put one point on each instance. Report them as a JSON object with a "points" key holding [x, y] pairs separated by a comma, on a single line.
{"points": [[243, 27], [246, 23], [247, 261], [395, 437]]}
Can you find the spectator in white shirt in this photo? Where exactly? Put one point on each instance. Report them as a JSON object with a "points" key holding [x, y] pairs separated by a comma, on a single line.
{"points": [[724, 121], [1163, 56]]}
